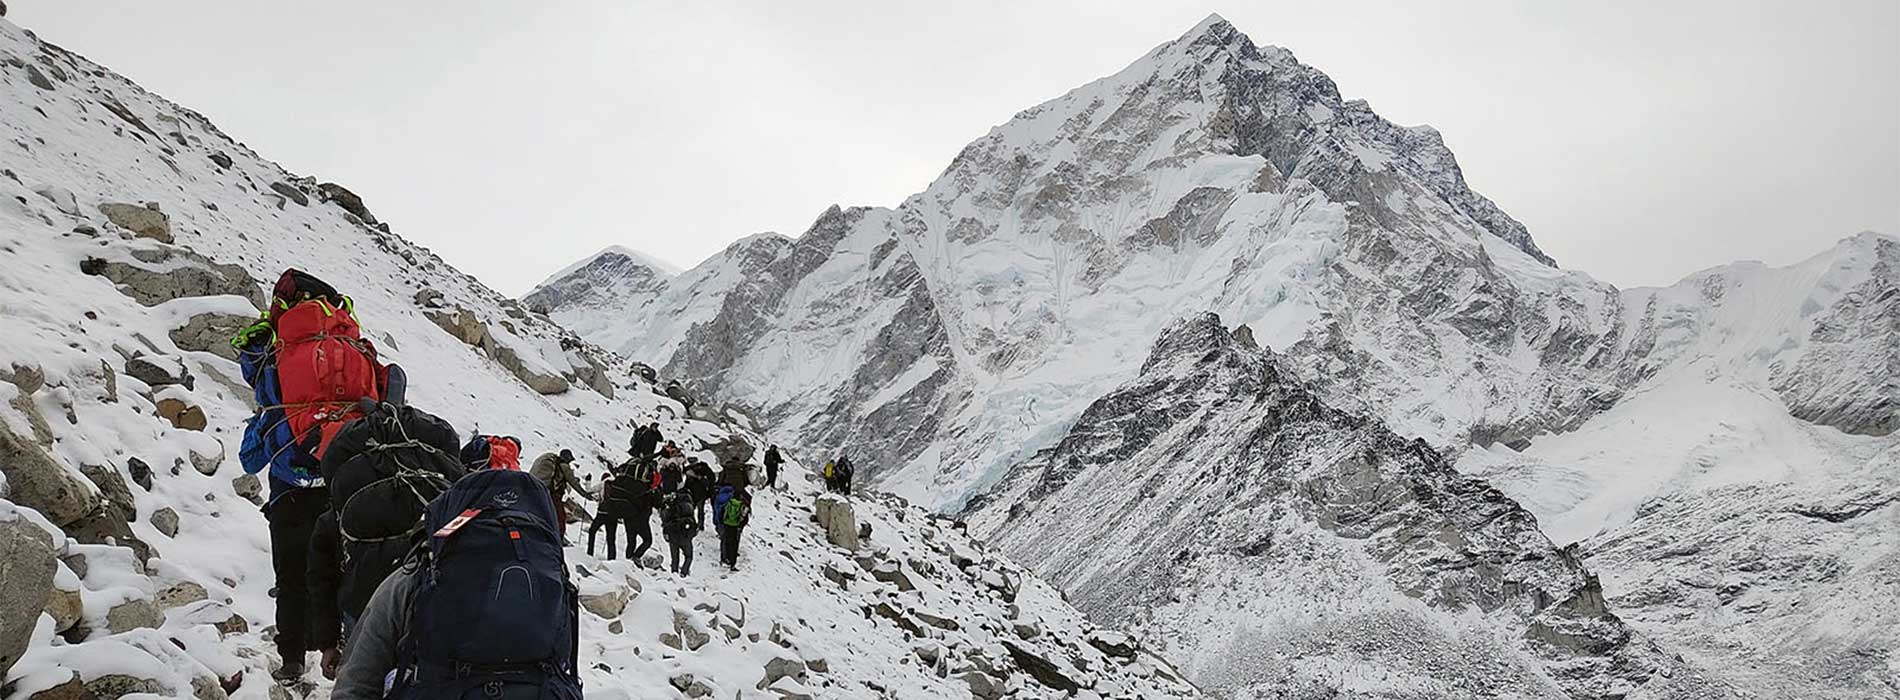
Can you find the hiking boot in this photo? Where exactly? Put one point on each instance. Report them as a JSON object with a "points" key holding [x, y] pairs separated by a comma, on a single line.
{"points": [[293, 669]]}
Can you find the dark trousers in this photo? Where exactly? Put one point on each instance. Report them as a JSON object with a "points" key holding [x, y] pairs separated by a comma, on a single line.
{"points": [[639, 533], [681, 549], [729, 545], [699, 506], [293, 517], [771, 475], [612, 524], [560, 511]]}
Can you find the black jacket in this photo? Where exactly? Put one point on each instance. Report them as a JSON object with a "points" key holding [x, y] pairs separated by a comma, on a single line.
{"points": [[700, 480], [645, 441]]}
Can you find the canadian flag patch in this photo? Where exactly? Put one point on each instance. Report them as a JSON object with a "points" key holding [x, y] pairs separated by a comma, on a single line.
{"points": [[458, 522]]}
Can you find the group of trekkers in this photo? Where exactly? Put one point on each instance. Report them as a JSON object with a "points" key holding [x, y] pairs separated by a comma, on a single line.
{"points": [[421, 565], [838, 473], [659, 476]]}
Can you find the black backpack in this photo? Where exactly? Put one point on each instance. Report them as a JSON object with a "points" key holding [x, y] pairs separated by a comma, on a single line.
{"points": [[382, 470], [680, 517], [495, 616]]}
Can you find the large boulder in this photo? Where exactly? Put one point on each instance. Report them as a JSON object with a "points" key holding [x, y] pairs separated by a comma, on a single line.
{"points": [[144, 220], [607, 604], [157, 276], [291, 193], [159, 371], [210, 612], [459, 322], [37, 480], [66, 606], [136, 613], [181, 594], [182, 415], [1046, 672], [838, 521], [211, 332], [733, 452], [165, 520], [107, 525], [26, 582], [342, 197], [118, 685], [593, 375], [111, 485], [541, 382]]}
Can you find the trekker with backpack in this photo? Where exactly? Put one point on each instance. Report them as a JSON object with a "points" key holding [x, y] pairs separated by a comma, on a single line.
{"points": [[772, 460], [646, 438], [844, 473], [492, 452], [616, 505], [679, 524], [700, 484], [643, 495], [483, 609], [308, 364], [732, 510], [556, 471], [382, 470]]}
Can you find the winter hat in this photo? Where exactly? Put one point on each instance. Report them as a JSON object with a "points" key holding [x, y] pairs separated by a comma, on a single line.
{"points": [[567, 455]]}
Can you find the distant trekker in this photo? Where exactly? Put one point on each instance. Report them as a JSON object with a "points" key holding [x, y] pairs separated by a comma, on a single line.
{"points": [[646, 439], [616, 506], [679, 524], [556, 471], [492, 452], [772, 461], [844, 472], [732, 509]]}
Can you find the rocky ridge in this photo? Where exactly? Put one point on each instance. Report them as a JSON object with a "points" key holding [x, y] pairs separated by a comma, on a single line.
{"points": [[1217, 482]]}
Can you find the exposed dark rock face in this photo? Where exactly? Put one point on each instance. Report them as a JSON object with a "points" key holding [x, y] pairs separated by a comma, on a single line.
{"points": [[1849, 375], [1216, 466]]}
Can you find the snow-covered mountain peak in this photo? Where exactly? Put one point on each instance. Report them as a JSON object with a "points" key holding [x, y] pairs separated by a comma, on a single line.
{"points": [[614, 253]]}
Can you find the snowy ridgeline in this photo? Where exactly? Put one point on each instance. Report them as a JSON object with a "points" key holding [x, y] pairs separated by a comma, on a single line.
{"points": [[136, 238], [1723, 450]]}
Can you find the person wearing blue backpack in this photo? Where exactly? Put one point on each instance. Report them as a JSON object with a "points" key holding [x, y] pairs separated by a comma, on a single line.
{"points": [[732, 510], [484, 609]]}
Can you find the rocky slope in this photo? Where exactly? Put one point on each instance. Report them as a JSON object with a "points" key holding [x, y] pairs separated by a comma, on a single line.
{"points": [[135, 237], [1216, 502], [966, 330]]}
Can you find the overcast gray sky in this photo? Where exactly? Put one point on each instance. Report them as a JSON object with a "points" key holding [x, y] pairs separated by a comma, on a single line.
{"points": [[1639, 141]]}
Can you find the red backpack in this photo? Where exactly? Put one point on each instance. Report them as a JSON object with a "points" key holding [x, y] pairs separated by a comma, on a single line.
{"points": [[324, 365]]}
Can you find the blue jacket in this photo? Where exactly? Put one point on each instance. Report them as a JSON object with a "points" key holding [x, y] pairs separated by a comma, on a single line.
{"points": [[719, 504], [268, 441]]}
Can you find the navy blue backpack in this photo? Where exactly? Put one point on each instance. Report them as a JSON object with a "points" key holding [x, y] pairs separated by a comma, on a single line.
{"points": [[495, 616]]}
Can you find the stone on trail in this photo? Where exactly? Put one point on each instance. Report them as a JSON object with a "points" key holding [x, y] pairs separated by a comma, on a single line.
{"points": [[38, 480], [144, 220], [26, 582]]}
